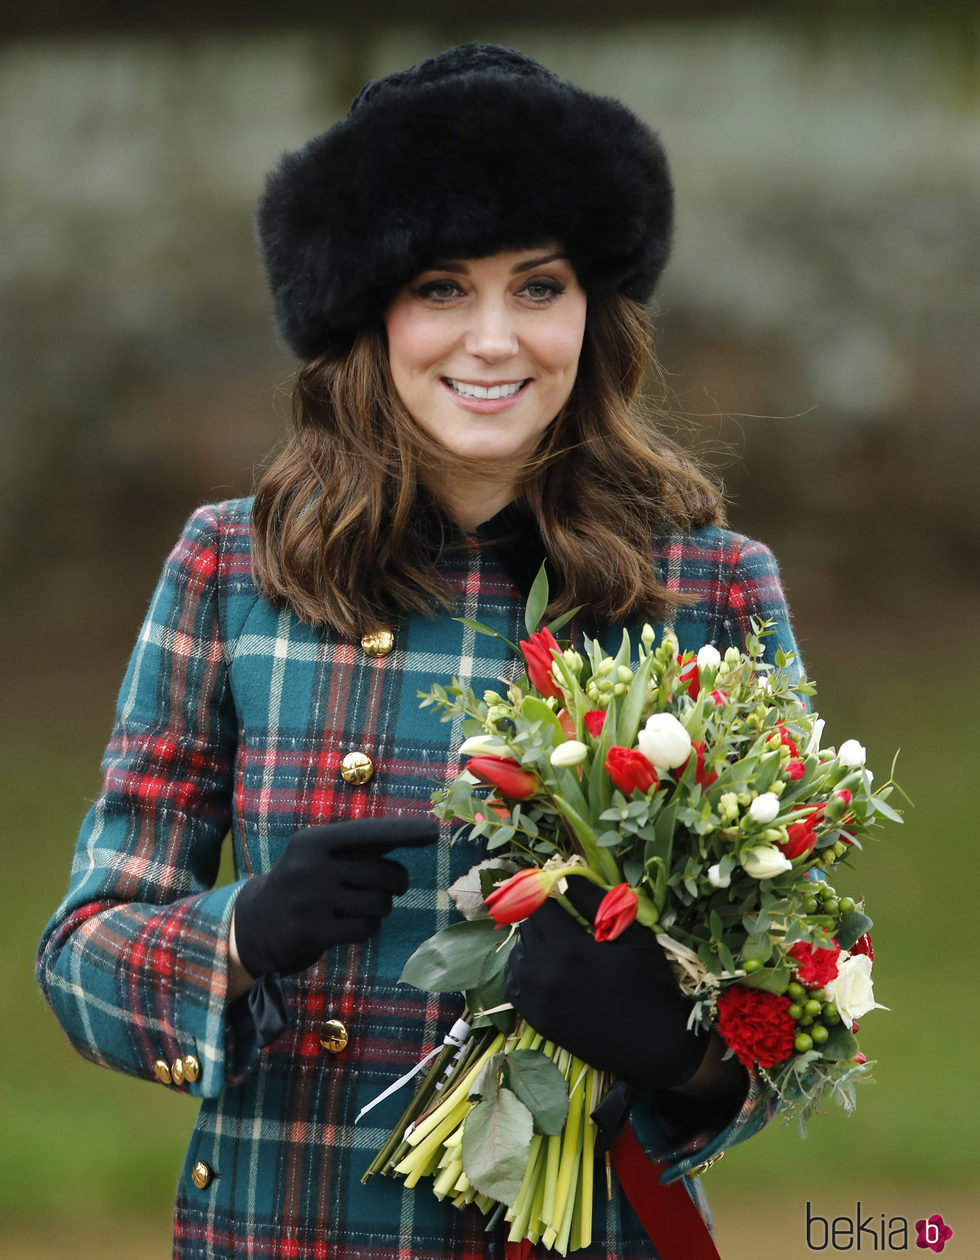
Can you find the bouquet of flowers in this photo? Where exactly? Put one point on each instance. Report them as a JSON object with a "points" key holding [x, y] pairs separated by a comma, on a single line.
{"points": [[694, 789]]}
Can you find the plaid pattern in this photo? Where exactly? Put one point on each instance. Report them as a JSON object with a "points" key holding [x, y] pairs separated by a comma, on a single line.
{"points": [[233, 717]]}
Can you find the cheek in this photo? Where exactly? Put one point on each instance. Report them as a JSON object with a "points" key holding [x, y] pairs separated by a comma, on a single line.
{"points": [[413, 340]]}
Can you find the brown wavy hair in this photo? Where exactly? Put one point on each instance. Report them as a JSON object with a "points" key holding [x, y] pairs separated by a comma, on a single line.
{"points": [[347, 530]]}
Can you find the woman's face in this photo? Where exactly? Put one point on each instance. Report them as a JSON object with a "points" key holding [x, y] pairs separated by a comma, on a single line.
{"points": [[484, 351]]}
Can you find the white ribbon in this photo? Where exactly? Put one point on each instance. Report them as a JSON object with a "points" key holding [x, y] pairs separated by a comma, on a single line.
{"points": [[456, 1036]]}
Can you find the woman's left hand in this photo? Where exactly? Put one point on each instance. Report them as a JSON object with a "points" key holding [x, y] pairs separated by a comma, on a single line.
{"points": [[613, 1004]]}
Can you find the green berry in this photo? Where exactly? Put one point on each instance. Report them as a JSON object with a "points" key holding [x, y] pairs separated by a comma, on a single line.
{"points": [[831, 905], [819, 1034], [812, 1008], [803, 1042], [847, 905], [829, 1013], [805, 1021], [795, 990], [795, 1010], [809, 905], [751, 964]]}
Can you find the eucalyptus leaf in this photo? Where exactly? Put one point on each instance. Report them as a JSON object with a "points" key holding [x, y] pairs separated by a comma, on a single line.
{"points": [[771, 979], [496, 1144], [539, 1085], [452, 960]]}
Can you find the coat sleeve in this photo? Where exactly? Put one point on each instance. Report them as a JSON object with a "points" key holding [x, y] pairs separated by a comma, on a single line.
{"points": [[134, 961], [753, 593]]}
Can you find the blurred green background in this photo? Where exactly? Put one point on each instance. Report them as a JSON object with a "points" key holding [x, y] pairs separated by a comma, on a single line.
{"points": [[818, 324]]}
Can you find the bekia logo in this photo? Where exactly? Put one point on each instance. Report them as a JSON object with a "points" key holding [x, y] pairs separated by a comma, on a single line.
{"points": [[868, 1233]]}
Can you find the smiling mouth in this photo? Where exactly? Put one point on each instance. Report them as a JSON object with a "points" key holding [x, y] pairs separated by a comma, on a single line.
{"points": [[485, 393]]}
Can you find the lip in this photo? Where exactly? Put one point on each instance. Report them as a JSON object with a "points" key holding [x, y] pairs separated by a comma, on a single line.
{"points": [[485, 406]]}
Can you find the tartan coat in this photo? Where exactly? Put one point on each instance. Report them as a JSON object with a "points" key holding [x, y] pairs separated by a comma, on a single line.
{"points": [[232, 721]]}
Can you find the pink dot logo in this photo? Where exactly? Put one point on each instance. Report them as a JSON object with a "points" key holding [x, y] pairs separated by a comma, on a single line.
{"points": [[934, 1233]]}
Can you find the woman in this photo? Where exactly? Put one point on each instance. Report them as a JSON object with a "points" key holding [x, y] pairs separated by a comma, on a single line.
{"points": [[459, 264]]}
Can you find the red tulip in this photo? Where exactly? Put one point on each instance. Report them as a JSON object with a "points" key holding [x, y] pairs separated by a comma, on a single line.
{"points": [[719, 697], [539, 652], [616, 912], [802, 837], [630, 770], [593, 720], [504, 774], [690, 677], [519, 896], [701, 775], [567, 723]]}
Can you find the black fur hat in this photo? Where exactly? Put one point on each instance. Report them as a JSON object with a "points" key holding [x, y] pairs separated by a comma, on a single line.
{"points": [[473, 151]]}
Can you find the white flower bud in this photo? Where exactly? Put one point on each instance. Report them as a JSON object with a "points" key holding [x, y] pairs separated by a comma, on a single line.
{"points": [[852, 754], [570, 753], [764, 862], [483, 745], [764, 808], [708, 657], [647, 635], [715, 877], [664, 741]]}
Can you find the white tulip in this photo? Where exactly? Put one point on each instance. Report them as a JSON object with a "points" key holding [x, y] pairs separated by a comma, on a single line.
{"points": [[852, 754], [765, 861], [570, 753], [664, 741], [764, 808]]}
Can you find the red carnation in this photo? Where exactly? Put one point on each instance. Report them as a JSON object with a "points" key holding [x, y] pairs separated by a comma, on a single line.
{"points": [[787, 739], [630, 770], [794, 771], [504, 774], [616, 912], [539, 652], [756, 1025], [815, 966], [863, 946], [593, 720]]}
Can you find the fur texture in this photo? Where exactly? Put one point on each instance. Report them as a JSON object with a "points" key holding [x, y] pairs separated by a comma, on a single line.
{"points": [[475, 150]]}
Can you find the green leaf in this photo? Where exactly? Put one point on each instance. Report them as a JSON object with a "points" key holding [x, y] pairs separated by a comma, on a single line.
{"points": [[883, 807], [852, 927], [841, 1044], [480, 628], [772, 979], [496, 1144], [564, 619], [539, 1085], [536, 710], [537, 600], [453, 959]]}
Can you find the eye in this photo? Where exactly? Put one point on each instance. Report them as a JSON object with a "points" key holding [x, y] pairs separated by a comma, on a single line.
{"points": [[443, 290], [543, 290]]}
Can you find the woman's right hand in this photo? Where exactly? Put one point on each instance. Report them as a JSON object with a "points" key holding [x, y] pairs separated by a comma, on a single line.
{"points": [[331, 886]]}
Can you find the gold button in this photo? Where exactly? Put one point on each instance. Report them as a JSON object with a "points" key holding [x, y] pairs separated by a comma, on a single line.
{"points": [[378, 642], [201, 1175], [192, 1068], [333, 1036], [357, 768], [161, 1071], [177, 1071]]}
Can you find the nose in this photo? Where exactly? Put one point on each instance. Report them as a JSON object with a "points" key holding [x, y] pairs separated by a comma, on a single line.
{"points": [[491, 333]]}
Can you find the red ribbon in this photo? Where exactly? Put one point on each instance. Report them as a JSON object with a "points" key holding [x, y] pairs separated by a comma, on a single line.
{"points": [[667, 1213]]}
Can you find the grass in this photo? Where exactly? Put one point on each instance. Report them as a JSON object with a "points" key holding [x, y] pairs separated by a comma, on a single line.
{"points": [[78, 1142]]}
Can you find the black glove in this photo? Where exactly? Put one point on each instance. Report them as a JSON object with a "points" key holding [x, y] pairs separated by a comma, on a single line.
{"points": [[613, 1004], [331, 886]]}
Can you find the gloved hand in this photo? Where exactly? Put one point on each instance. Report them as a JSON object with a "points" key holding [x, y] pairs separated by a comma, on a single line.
{"points": [[613, 1004], [331, 886]]}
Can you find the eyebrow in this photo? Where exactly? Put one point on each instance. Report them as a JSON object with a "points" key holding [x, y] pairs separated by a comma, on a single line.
{"points": [[460, 268]]}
